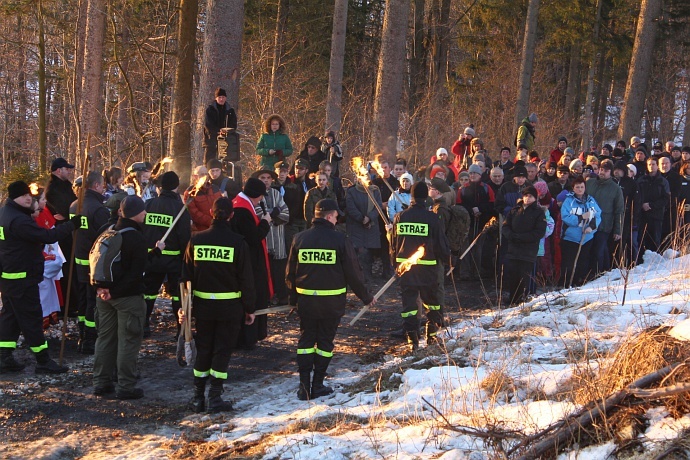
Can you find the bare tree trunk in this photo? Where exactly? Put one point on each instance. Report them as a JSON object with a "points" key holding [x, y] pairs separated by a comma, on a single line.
{"points": [[124, 103], [640, 69], [93, 77], [335, 72], [222, 54], [180, 140], [686, 127], [417, 59], [601, 102], [573, 84], [587, 119], [527, 63], [42, 138], [75, 137], [279, 41], [389, 79]]}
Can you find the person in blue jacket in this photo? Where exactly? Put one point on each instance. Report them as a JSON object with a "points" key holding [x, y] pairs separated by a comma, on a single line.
{"points": [[581, 217]]}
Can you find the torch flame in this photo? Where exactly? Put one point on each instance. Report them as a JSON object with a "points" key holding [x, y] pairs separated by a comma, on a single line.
{"points": [[412, 260], [360, 170], [491, 223], [33, 188], [377, 165], [200, 184]]}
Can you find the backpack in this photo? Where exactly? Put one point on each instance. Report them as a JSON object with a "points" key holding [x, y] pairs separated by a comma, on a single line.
{"points": [[105, 255], [458, 227]]}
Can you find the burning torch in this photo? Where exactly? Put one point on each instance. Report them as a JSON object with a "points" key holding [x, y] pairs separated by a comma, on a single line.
{"points": [[493, 222], [362, 175], [379, 170], [402, 269]]}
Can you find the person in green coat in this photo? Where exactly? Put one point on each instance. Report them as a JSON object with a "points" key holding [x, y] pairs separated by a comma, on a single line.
{"points": [[525, 133], [274, 144]]}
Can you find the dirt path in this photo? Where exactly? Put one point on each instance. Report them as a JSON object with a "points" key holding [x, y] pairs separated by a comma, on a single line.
{"points": [[35, 408]]}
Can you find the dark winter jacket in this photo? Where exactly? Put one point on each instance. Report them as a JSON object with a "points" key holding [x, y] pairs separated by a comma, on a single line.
{"points": [[94, 216], [217, 263], [385, 191], [314, 196], [609, 197], [134, 260], [59, 196], [314, 160], [655, 191], [508, 196], [160, 213], [412, 228], [633, 205], [477, 195], [215, 118], [321, 264], [359, 206], [21, 248], [522, 230]]}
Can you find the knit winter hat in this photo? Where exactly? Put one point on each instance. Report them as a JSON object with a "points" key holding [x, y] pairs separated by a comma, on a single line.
{"points": [[561, 196], [519, 171], [620, 165], [17, 189], [633, 169], [563, 139], [254, 188], [474, 169], [132, 206], [169, 181], [440, 185], [220, 92], [541, 188], [214, 163], [441, 151], [407, 176], [420, 192], [470, 131], [533, 118], [530, 191]]}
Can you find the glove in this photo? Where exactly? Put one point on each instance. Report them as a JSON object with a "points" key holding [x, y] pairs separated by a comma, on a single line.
{"points": [[76, 220], [275, 212]]}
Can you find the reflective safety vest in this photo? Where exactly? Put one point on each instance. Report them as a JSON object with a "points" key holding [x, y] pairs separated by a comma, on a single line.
{"points": [[217, 295], [319, 292]]}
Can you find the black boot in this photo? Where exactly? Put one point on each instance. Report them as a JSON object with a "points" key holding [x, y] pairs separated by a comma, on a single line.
{"points": [[45, 365], [80, 342], [198, 402], [304, 385], [215, 402], [88, 345], [412, 339], [8, 363], [318, 389]]}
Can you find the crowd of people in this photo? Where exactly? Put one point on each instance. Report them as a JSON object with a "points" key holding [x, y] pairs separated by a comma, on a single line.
{"points": [[299, 232]]}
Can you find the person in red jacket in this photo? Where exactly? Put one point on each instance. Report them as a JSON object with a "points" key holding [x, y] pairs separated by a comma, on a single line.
{"points": [[200, 207], [557, 153], [461, 147]]}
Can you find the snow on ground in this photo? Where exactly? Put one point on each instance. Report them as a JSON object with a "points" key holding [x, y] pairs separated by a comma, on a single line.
{"points": [[533, 348]]}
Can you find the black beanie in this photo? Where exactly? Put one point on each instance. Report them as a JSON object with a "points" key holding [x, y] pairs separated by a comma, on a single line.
{"points": [[132, 206], [220, 92], [254, 188], [530, 191], [420, 192], [622, 165], [17, 189], [214, 163], [169, 181]]}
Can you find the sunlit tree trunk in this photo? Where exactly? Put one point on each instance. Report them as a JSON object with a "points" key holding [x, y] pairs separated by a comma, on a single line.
{"points": [[180, 140], [527, 63], [335, 72], [587, 119], [640, 69], [42, 138], [389, 80], [279, 39]]}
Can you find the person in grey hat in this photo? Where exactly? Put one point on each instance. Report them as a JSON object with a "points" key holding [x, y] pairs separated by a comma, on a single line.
{"points": [[122, 303], [525, 134], [461, 147]]}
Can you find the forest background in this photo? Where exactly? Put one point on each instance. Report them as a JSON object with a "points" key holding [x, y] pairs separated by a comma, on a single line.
{"points": [[397, 77]]}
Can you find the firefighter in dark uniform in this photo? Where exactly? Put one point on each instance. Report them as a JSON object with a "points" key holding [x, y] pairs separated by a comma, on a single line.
{"points": [[218, 264], [21, 270], [412, 228], [94, 216], [322, 263], [160, 213]]}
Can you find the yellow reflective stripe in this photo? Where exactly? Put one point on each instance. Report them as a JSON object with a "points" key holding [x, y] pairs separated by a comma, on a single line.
{"points": [[8, 344], [432, 307], [88, 323], [412, 228], [318, 292], [419, 261], [325, 354], [159, 220], [13, 276], [150, 297], [316, 256], [205, 253], [165, 252], [2, 233], [407, 314], [84, 223], [201, 373], [81, 261], [219, 375], [217, 295], [306, 351], [40, 347]]}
